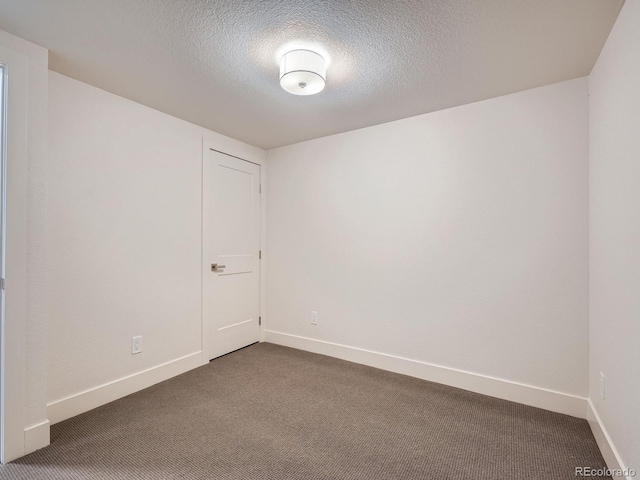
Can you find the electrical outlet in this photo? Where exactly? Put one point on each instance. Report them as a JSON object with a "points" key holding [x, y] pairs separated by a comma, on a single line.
{"points": [[602, 385], [314, 318], [136, 345]]}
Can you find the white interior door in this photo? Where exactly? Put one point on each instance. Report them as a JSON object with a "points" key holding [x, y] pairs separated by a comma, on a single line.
{"points": [[231, 252]]}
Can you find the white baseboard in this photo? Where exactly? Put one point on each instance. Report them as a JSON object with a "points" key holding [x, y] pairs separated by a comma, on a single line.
{"points": [[36, 437], [494, 387], [607, 448], [81, 402]]}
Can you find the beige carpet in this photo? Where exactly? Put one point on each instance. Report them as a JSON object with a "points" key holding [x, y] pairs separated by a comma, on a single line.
{"points": [[270, 412]]}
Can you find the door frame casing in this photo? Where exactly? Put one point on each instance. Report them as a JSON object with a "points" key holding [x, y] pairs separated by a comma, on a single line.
{"points": [[251, 155], [13, 329], [25, 256]]}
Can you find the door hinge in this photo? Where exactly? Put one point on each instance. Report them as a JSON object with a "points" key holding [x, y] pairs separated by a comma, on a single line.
{"points": [[259, 254], [259, 320]]}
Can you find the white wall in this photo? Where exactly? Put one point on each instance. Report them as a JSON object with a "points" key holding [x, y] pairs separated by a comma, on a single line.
{"points": [[124, 243], [614, 116], [456, 238], [26, 246]]}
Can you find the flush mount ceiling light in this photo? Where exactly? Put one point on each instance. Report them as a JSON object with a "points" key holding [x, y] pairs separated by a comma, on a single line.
{"points": [[302, 72]]}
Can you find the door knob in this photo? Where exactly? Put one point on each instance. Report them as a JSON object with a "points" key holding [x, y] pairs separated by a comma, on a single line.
{"points": [[215, 267]]}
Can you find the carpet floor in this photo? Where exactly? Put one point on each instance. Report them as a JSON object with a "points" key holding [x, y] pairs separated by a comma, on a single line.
{"points": [[270, 412]]}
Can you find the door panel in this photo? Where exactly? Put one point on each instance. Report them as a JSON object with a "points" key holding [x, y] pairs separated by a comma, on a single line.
{"points": [[231, 240]]}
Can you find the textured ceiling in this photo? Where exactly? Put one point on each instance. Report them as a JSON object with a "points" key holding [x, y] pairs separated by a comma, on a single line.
{"points": [[215, 62]]}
